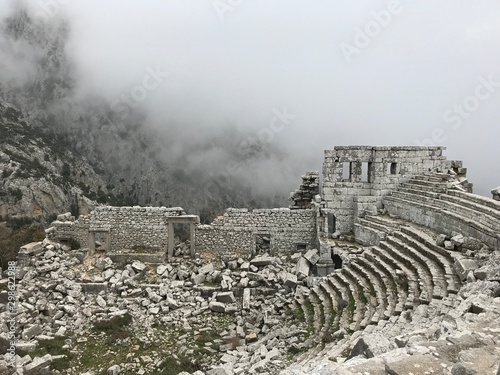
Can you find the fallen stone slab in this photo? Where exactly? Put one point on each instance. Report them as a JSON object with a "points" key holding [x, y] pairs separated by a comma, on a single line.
{"points": [[31, 332], [94, 288], [217, 307], [37, 364], [490, 272], [138, 266], [303, 267], [312, 256], [262, 261], [225, 297], [207, 268], [371, 345], [418, 364], [32, 248], [291, 280], [463, 266]]}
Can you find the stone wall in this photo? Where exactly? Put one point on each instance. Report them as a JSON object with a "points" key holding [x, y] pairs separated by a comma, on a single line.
{"points": [[371, 171], [128, 227], [236, 231]]}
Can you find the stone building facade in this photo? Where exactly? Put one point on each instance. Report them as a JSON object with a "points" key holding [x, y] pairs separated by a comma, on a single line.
{"points": [[357, 181], [355, 178]]}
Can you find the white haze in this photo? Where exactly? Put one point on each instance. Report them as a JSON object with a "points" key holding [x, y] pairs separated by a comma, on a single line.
{"points": [[287, 54]]}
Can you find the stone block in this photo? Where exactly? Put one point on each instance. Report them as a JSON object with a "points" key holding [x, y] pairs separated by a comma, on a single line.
{"points": [[303, 267], [207, 268], [32, 248], [37, 364], [371, 345], [138, 266], [31, 332], [262, 261], [312, 256], [225, 297], [463, 266], [217, 307], [291, 280], [246, 298]]}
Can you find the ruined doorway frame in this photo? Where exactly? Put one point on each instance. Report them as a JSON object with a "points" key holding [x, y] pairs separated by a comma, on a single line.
{"points": [[92, 233], [192, 220]]}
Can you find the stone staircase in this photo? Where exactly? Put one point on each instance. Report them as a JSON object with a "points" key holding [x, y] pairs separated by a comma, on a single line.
{"points": [[404, 283], [427, 201]]}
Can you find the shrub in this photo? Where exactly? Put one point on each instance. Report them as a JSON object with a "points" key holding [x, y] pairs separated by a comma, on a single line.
{"points": [[16, 193]]}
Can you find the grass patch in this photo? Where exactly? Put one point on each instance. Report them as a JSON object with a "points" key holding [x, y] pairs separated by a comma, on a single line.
{"points": [[115, 328], [55, 347], [174, 365], [372, 291], [361, 294], [351, 307]]}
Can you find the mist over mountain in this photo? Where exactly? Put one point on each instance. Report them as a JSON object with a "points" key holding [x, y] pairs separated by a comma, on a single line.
{"points": [[141, 162], [185, 104]]}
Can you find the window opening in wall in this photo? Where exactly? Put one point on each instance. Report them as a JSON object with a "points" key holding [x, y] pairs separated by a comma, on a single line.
{"points": [[346, 170], [301, 247], [364, 172], [262, 243], [370, 172], [392, 168], [331, 224], [64, 241], [337, 261]]}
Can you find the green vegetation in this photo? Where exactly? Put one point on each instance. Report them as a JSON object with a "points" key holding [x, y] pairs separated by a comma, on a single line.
{"points": [[174, 364], [361, 294], [55, 347], [351, 307], [15, 233], [16, 193], [28, 167], [299, 315], [115, 328], [372, 291]]}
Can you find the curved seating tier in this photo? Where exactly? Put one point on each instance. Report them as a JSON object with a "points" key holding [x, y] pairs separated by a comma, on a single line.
{"points": [[403, 283]]}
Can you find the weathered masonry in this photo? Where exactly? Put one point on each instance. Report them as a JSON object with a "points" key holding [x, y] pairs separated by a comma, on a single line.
{"points": [[355, 178], [417, 184], [117, 228], [238, 231]]}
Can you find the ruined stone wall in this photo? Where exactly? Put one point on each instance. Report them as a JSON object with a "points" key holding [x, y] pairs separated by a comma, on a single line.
{"points": [[386, 168], [235, 232], [128, 227]]}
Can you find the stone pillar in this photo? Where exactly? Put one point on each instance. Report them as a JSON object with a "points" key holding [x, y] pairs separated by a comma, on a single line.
{"points": [[91, 243], [108, 241], [192, 240], [170, 240]]}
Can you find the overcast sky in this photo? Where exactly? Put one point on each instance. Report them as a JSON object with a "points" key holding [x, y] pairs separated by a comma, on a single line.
{"points": [[364, 72]]}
